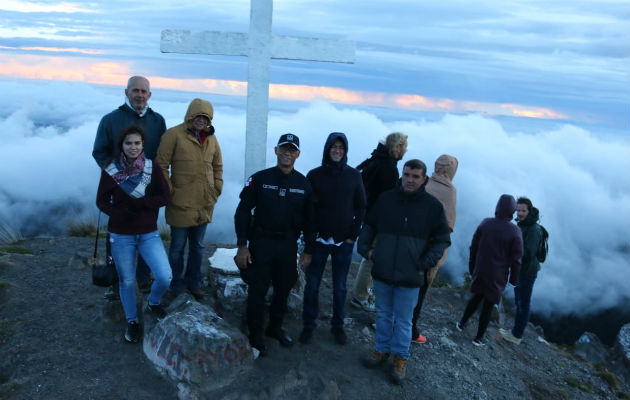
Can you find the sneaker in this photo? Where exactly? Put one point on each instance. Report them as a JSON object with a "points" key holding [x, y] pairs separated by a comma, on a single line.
{"points": [[340, 335], [480, 342], [362, 305], [459, 326], [507, 335], [157, 311], [419, 339], [398, 370], [197, 294], [306, 336], [133, 332], [375, 359]]}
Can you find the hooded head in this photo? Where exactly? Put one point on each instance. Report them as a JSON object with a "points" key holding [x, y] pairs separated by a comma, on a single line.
{"points": [[505, 207], [196, 108], [446, 166], [326, 160]]}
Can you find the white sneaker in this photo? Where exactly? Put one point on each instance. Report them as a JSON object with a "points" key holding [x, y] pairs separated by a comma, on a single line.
{"points": [[507, 335], [362, 305]]}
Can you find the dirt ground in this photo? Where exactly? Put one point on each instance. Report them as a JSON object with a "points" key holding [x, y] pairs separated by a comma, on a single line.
{"points": [[54, 344]]}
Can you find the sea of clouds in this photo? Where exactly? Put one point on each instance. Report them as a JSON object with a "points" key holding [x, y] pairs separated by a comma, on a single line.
{"points": [[576, 177]]}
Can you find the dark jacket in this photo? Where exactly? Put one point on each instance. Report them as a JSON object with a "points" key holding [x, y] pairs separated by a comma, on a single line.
{"points": [[380, 174], [283, 207], [128, 215], [112, 124], [532, 236], [411, 232], [495, 251], [339, 195]]}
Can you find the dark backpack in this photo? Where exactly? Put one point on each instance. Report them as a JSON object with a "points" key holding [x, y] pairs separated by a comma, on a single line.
{"points": [[543, 249]]}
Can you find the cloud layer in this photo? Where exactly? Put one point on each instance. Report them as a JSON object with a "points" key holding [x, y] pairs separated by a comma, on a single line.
{"points": [[577, 178]]}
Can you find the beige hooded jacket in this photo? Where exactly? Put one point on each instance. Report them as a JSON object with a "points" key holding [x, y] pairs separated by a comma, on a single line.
{"points": [[440, 185], [196, 178]]}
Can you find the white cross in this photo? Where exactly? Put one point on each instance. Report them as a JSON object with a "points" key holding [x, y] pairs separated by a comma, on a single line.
{"points": [[260, 46]]}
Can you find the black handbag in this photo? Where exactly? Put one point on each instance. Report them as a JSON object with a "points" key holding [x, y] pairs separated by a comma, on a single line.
{"points": [[103, 274]]}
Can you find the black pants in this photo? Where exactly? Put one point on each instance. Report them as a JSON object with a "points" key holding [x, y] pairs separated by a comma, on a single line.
{"points": [[273, 262], [484, 317], [416, 311]]}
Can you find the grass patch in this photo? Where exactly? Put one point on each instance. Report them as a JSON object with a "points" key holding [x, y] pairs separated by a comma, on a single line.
{"points": [[82, 228], [4, 284], [438, 282], [607, 377], [14, 250], [622, 395], [578, 385], [9, 234]]}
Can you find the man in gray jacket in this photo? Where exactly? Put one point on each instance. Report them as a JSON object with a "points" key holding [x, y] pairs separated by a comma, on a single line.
{"points": [[134, 111], [412, 235]]}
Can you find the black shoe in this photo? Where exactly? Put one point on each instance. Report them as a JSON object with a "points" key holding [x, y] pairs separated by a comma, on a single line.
{"points": [[339, 334], [132, 334], [157, 311], [197, 294], [280, 336], [306, 336]]}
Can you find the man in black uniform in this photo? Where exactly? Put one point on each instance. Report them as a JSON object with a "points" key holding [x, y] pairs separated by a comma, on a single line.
{"points": [[283, 207]]}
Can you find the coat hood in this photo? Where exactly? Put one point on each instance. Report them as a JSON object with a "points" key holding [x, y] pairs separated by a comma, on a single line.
{"points": [[329, 142], [381, 151], [446, 166], [531, 218], [505, 207], [198, 107]]}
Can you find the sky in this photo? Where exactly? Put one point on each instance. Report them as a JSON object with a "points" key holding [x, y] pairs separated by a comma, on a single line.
{"points": [[531, 97]]}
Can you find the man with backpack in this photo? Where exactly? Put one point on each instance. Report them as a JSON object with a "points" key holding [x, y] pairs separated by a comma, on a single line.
{"points": [[534, 252], [379, 174]]}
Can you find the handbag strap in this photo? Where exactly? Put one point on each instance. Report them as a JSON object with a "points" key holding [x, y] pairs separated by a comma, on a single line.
{"points": [[98, 224]]}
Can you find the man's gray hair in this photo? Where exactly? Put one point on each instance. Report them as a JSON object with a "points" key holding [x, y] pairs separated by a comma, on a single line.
{"points": [[133, 78]]}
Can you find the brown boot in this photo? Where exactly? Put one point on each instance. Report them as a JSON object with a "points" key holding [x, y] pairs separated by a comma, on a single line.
{"points": [[375, 359], [398, 370]]}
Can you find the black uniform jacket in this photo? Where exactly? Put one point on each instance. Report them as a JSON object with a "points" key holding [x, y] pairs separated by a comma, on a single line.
{"points": [[282, 204]]}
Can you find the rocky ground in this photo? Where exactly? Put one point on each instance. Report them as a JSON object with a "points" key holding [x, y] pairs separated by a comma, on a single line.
{"points": [[55, 344]]}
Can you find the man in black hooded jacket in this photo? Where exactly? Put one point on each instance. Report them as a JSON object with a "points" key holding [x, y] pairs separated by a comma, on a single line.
{"points": [[339, 209]]}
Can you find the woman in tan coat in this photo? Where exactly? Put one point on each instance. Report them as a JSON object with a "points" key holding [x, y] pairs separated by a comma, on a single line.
{"points": [[196, 179], [441, 186]]}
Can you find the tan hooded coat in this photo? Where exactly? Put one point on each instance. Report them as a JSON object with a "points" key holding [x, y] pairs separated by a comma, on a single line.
{"points": [[196, 178], [440, 185]]}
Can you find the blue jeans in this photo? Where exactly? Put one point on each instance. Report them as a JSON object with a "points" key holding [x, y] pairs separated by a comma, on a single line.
{"points": [[522, 297], [394, 311], [340, 258], [150, 247], [194, 235]]}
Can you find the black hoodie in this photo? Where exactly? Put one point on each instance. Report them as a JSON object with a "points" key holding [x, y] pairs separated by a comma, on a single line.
{"points": [[339, 195]]}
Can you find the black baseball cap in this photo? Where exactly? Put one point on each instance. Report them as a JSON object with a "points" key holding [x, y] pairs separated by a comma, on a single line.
{"points": [[289, 138]]}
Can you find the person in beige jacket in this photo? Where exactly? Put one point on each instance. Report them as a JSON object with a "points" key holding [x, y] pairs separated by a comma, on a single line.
{"points": [[440, 185], [196, 179]]}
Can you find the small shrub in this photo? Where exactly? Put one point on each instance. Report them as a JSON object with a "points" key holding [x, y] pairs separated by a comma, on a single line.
{"points": [[439, 282], [578, 385], [607, 377], [623, 396], [9, 234], [14, 250], [82, 228]]}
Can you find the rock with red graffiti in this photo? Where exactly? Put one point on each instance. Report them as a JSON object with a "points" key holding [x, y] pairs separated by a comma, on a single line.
{"points": [[195, 346]]}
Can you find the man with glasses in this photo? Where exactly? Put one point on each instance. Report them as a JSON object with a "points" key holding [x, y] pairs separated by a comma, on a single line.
{"points": [[282, 201]]}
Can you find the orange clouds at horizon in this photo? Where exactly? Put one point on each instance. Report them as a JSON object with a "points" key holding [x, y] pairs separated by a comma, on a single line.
{"points": [[77, 69]]}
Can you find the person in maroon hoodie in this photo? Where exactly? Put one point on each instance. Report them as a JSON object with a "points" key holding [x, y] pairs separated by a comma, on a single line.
{"points": [[496, 251], [131, 190]]}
